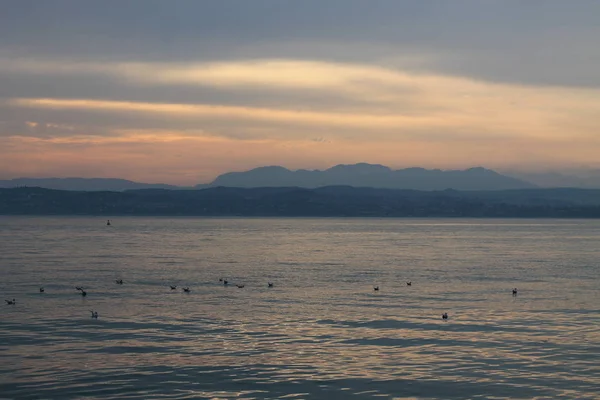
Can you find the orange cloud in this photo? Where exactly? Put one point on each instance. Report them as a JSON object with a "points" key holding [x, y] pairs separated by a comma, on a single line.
{"points": [[187, 160], [400, 119], [200, 111]]}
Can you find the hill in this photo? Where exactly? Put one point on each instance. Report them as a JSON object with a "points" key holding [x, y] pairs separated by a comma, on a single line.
{"points": [[332, 201]]}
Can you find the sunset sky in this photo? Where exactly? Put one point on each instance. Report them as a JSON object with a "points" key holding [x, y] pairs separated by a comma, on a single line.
{"points": [[180, 91]]}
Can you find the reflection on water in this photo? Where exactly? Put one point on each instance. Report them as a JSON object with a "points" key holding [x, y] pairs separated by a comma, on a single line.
{"points": [[321, 331]]}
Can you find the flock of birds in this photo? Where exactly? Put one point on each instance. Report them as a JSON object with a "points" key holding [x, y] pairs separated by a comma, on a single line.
{"points": [[83, 293], [222, 280], [187, 290]]}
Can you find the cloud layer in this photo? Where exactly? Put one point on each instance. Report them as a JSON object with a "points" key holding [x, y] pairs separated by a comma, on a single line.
{"points": [[306, 86]]}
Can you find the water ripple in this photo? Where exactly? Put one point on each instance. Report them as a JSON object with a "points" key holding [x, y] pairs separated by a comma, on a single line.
{"points": [[321, 332]]}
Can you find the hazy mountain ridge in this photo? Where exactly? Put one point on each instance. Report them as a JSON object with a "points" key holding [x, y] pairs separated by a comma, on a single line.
{"points": [[331, 201], [357, 175], [373, 175], [587, 179], [86, 184]]}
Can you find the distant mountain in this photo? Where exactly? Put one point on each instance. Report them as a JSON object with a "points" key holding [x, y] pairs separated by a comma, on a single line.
{"points": [[356, 175], [330, 201], [580, 179], [84, 184], [373, 175]]}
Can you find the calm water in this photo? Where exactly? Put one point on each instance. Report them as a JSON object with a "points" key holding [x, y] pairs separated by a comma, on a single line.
{"points": [[321, 332]]}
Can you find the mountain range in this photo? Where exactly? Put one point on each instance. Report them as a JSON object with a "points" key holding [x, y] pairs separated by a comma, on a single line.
{"points": [[356, 175], [375, 176]]}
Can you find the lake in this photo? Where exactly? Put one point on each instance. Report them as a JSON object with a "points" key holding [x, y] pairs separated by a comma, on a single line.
{"points": [[321, 331]]}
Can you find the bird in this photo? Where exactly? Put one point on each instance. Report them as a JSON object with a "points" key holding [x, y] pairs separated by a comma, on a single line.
{"points": [[376, 288], [225, 282], [220, 279], [10, 302], [41, 290], [445, 316], [408, 283], [94, 314], [173, 287], [108, 222], [119, 281], [78, 288], [270, 284], [240, 286], [514, 291], [83, 293], [186, 289]]}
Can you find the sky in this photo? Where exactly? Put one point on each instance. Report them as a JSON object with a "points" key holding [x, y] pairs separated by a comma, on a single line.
{"points": [[180, 91]]}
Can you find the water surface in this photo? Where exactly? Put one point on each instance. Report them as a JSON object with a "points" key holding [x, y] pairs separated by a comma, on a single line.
{"points": [[321, 331]]}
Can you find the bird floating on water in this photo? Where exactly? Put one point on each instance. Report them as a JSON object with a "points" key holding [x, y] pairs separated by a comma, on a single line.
{"points": [[10, 302], [408, 283], [41, 290], [225, 282], [83, 293], [119, 281], [173, 287], [94, 314], [376, 288], [514, 291], [240, 286], [270, 284], [186, 289], [445, 315]]}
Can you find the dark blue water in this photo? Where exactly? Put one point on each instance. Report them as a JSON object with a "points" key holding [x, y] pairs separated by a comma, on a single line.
{"points": [[321, 332]]}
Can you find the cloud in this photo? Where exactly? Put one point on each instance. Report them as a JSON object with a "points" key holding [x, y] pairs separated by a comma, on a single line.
{"points": [[304, 84], [266, 74], [390, 102], [550, 42], [207, 111]]}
